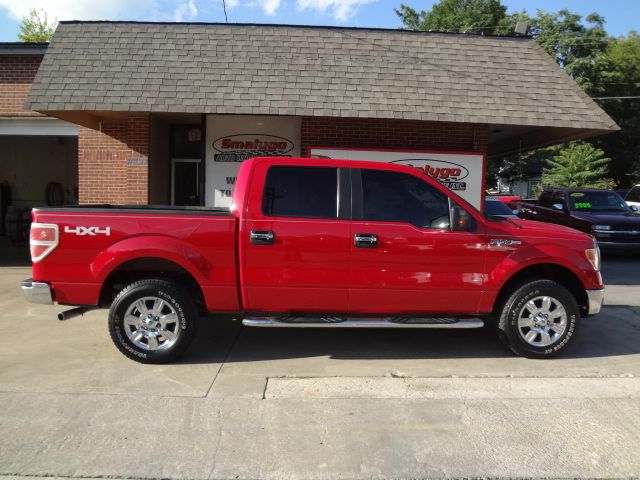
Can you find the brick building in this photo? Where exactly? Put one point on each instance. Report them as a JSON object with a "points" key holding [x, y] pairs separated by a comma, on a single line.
{"points": [[38, 153], [167, 111]]}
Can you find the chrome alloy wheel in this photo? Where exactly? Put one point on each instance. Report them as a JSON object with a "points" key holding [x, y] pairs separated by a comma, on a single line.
{"points": [[151, 324], [542, 321]]}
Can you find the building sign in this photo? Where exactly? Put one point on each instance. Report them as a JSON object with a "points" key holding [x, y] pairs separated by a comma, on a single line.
{"points": [[232, 139], [460, 172]]}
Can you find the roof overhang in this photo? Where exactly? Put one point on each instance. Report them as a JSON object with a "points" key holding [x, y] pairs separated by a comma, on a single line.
{"points": [[22, 48], [37, 126], [507, 139]]}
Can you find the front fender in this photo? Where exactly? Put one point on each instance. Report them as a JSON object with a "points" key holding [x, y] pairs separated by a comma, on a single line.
{"points": [[570, 258]]}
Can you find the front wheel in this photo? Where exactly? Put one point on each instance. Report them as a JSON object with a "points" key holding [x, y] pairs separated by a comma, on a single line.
{"points": [[152, 321], [539, 319]]}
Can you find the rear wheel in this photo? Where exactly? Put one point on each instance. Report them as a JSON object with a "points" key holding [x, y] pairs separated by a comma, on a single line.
{"points": [[539, 319], [152, 321]]}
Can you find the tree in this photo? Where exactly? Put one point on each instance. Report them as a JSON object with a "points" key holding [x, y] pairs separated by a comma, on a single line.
{"points": [[623, 80], [578, 48], [470, 16], [36, 27], [579, 164]]}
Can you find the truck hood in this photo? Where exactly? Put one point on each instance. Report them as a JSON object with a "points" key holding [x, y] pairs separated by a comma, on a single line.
{"points": [[609, 218], [542, 229]]}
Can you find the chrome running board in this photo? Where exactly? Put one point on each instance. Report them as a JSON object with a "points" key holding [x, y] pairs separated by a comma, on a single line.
{"points": [[378, 322]]}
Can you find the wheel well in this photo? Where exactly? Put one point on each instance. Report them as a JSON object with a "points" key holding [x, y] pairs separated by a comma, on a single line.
{"points": [[545, 271], [151, 267]]}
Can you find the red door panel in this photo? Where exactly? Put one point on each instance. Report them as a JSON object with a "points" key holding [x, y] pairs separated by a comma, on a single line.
{"points": [[416, 271], [419, 265], [306, 269]]}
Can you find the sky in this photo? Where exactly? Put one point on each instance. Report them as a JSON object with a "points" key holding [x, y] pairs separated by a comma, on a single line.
{"points": [[620, 15]]}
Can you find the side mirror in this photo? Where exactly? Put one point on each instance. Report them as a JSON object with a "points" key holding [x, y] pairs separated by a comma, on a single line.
{"points": [[461, 220], [634, 208], [558, 206]]}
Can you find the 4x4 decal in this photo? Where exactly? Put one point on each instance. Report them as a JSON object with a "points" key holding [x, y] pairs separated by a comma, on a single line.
{"points": [[92, 231]]}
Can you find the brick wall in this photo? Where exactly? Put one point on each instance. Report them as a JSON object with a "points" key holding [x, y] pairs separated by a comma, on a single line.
{"points": [[16, 76], [390, 134], [113, 162]]}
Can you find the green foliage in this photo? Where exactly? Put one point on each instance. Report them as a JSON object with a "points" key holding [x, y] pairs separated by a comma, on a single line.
{"points": [[519, 166], [578, 48], [470, 16], [36, 27], [623, 80], [577, 165]]}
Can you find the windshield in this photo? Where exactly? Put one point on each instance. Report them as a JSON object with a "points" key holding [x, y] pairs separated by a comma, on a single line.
{"points": [[603, 201], [497, 208]]}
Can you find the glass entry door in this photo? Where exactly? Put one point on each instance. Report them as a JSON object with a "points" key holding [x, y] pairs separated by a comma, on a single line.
{"points": [[185, 181]]}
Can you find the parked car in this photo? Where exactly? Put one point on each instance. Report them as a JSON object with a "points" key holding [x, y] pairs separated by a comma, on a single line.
{"points": [[508, 200], [316, 243], [602, 213], [494, 206], [633, 197]]}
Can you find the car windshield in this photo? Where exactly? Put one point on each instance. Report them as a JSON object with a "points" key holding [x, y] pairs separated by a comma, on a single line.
{"points": [[497, 208], [603, 201]]}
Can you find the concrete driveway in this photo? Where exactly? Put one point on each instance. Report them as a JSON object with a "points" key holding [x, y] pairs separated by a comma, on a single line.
{"points": [[320, 404]]}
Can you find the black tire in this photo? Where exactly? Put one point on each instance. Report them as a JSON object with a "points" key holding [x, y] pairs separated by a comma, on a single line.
{"points": [[513, 334], [172, 326]]}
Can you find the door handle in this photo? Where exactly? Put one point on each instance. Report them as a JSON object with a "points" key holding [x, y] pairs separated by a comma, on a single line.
{"points": [[262, 237], [366, 240]]}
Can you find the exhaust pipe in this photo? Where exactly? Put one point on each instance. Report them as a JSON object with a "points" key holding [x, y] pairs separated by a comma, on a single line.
{"points": [[74, 312]]}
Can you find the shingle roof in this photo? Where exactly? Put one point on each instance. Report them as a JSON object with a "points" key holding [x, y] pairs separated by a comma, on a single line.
{"points": [[315, 71]]}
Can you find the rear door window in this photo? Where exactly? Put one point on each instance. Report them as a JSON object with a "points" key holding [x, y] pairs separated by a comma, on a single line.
{"points": [[308, 192]]}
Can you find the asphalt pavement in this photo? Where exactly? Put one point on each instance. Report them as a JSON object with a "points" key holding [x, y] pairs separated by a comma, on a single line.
{"points": [[319, 404]]}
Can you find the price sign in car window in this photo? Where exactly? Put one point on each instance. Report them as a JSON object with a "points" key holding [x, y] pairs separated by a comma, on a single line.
{"points": [[582, 205], [579, 201]]}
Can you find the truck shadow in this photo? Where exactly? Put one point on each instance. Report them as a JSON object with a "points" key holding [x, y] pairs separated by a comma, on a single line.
{"points": [[615, 332]]}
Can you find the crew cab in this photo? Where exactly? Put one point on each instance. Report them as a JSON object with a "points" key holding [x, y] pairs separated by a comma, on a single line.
{"points": [[603, 213], [317, 243]]}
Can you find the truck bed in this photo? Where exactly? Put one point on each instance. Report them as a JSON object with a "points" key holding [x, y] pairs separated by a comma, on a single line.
{"points": [[98, 242]]}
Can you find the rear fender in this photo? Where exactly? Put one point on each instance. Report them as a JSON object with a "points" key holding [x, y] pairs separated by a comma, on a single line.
{"points": [[151, 246]]}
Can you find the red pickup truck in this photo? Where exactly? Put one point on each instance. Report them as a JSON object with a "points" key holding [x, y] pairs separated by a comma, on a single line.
{"points": [[317, 243]]}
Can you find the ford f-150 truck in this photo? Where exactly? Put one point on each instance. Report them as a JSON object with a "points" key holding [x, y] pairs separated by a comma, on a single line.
{"points": [[317, 243]]}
